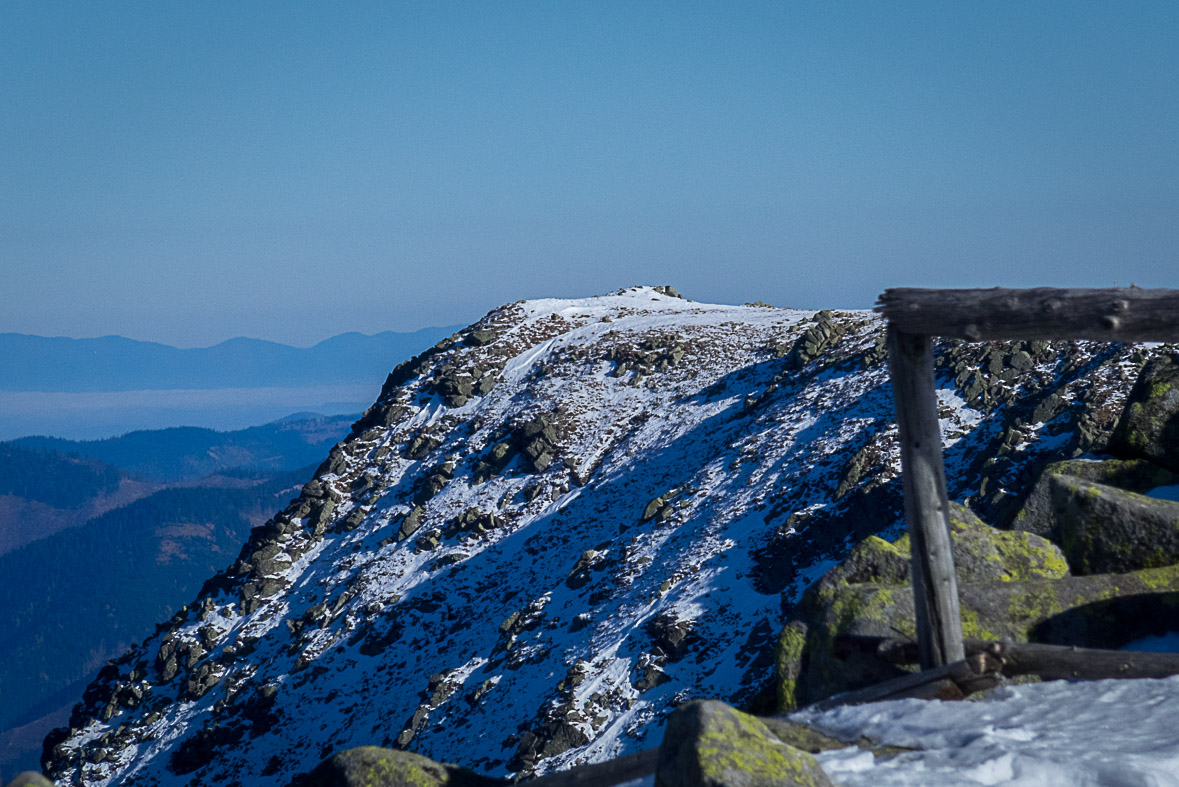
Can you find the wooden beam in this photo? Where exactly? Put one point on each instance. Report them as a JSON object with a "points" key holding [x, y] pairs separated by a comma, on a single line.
{"points": [[952, 681], [1051, 662], [1123, 314], [935, 586]]}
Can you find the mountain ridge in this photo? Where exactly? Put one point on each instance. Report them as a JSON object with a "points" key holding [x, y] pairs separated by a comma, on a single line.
{"points": [[560, 524], [115, 363]]}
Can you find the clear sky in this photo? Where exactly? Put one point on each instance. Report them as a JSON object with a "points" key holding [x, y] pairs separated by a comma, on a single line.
{"points": [[187, 172]]}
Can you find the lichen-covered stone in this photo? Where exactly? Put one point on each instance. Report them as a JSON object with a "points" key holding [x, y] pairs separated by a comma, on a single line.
{"points": [[1135, 475], [1103, 529], [652, 508], [1012, 585], [30, 779], [1149, 426], [373, 766], [1097, 611], [709, 744], [981, 554], [788, 655]]}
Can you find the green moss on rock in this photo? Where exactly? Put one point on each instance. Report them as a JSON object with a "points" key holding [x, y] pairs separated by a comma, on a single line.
{"points": [[1149, 426], [788, 663], [1103, 529], [1134, 475], [1012, 585], [30, 779], [373, 766], [709, 744]]}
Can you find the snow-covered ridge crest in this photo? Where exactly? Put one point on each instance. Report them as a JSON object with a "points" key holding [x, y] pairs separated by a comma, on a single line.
{"points": [[555, 527]]}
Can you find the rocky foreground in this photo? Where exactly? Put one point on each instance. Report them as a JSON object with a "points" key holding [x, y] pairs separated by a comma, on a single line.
{"points": [[566, 522]]}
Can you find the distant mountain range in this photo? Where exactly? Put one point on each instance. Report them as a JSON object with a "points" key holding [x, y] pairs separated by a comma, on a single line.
{"points": [[190, 452], [115, 363]]}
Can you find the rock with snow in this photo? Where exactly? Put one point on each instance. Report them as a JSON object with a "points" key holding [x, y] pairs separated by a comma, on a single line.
{"points": [[1104, 529]]}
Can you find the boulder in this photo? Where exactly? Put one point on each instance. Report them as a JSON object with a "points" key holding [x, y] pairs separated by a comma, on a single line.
{"points": [[30, 779], [981, 554], [1103, 529], [412, 523], [1149, 426], [373, 766], [816, 340], [709, 744], [1135, 475], [1012, 585]]}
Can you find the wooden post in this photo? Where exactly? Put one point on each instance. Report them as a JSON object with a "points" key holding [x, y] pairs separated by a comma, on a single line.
{"points": [[935, 587]]}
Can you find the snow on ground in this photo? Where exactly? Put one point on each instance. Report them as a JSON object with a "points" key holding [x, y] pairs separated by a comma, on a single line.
{"points": [[1109, 733]]}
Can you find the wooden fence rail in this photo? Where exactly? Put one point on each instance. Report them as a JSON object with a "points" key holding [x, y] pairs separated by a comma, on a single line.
{"points": [[914, 317]]}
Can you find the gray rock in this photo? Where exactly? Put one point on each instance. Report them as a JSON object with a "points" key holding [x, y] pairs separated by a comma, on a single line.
{"points": [[480, 338], [1134, 475], [709, 744], [1104, 530], [1149, 426], [30, 779], [1006, 587], [373, 766], [412, 523]]}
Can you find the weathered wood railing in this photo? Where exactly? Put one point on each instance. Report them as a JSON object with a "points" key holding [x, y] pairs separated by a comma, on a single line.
{"points": [[914, 317]]}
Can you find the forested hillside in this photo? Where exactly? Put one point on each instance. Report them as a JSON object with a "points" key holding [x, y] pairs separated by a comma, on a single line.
{"points": [[71, 601], [62, 480], [189, 452]]}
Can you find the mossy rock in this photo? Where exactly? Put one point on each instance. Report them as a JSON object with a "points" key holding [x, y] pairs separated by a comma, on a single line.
{"points": [[1134, 475], [1103, 529], [709, 744], [1097, 611], [1149, 426], [30, 779], [1011, 586], [373, 766], [981, 554]]}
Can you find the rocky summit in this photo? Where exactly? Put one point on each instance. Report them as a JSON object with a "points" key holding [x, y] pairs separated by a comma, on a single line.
{"points": [[561, 524]]}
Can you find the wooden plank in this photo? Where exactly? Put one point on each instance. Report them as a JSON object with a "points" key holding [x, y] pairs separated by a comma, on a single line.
{"points": [[1051, 662], [1056, 662], [602, 774], [952, 681], [1123, 314], [935, 586]]}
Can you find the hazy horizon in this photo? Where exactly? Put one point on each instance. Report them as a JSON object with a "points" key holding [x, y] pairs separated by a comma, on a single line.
{"points": [[309, 345]]}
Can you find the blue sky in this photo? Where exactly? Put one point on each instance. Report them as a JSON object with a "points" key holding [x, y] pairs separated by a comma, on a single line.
{"points": [[188, 172]]}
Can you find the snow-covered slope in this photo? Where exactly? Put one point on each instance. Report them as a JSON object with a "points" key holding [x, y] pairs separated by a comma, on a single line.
{"points": [[557, 526]]}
